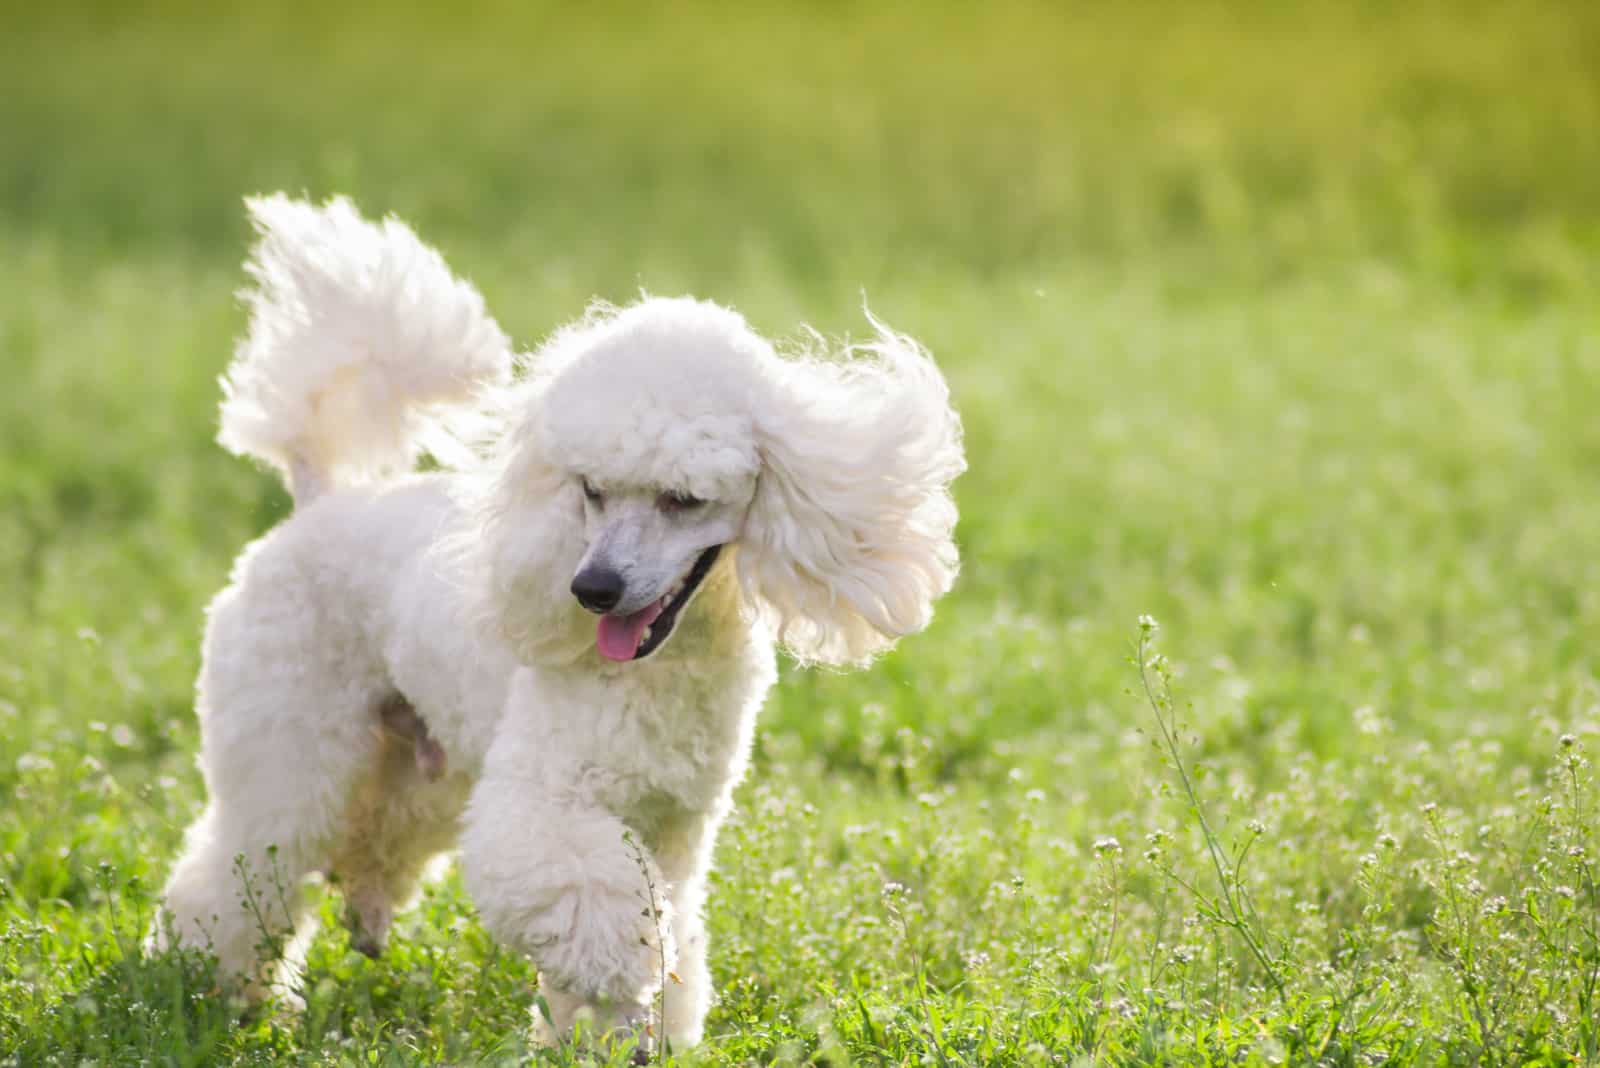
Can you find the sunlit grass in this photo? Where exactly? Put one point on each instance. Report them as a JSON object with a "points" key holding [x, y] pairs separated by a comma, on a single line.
{"points": [[1276, 323]]}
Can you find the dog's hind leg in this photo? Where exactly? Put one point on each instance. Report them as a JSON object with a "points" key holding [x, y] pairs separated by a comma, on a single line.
{"points": [[238, 896], [402, 818], [285, 743], [382, 881]]}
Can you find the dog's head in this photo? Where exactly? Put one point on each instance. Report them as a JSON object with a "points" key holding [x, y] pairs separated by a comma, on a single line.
{"points": [[664, 444]]}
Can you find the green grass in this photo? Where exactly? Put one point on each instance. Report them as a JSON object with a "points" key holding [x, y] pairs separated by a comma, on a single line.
{"points": [[1275, 322]]}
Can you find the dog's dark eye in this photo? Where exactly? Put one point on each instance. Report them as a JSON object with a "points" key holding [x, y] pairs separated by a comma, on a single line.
{"points": [[590, 492], [677, 502]]}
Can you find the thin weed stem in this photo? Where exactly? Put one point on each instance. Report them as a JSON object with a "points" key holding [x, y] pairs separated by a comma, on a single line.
{"points": [[658, 1025], [1240, 915], [892, 893]]}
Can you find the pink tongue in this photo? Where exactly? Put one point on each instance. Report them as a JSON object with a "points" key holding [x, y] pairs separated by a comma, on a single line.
{"points": [[618, 636]]}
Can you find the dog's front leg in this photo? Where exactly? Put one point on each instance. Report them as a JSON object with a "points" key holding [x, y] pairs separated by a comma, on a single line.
{"points": [[685, 856], [557, 877]]}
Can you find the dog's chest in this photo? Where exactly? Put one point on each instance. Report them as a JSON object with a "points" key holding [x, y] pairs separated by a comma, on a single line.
{"points": [[671, 739], [681, 749]]}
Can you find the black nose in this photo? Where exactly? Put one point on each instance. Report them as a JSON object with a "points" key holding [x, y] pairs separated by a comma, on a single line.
{"points": [[597, 588]]}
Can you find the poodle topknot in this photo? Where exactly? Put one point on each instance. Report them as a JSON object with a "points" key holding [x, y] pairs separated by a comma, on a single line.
{"points": [[549, 651]]}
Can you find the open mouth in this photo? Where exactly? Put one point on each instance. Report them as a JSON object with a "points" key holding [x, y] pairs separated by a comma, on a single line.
{"points": [[638, 634]]}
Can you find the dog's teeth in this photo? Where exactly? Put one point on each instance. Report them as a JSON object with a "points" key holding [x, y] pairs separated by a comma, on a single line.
{"points": [[647, 633], [667, 600]]}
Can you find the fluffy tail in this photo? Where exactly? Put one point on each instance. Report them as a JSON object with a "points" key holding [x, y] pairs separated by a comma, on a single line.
{"points": [[363, 349]]}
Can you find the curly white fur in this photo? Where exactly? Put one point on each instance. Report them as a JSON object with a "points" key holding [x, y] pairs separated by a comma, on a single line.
{"points": [[361, 347], [810, 491]]}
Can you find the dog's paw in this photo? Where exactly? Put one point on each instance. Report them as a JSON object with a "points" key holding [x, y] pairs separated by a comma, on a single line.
{"points": [[368, 945], [561, 1017], [367, 917]]}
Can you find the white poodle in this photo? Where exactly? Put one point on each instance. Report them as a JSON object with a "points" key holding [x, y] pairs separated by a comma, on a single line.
{"points": [[551, 651]]}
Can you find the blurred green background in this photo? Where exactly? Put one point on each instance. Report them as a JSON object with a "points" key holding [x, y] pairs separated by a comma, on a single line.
{"points": [[1277, 321]]}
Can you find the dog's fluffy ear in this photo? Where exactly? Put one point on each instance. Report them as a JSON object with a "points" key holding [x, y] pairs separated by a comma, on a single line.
{"points": [[849, 538]]}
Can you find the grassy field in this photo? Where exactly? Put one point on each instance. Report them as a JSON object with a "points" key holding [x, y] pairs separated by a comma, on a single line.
{"points": [[1276, 323]]}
